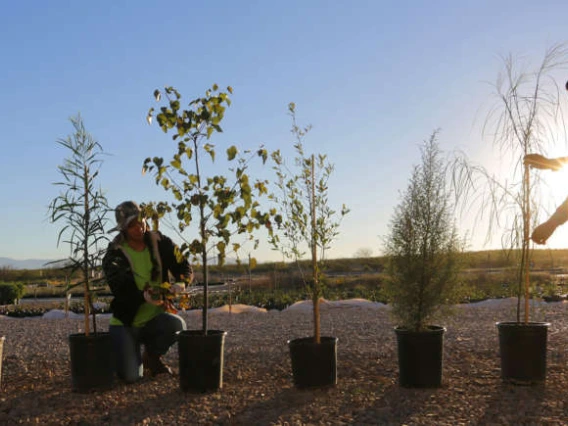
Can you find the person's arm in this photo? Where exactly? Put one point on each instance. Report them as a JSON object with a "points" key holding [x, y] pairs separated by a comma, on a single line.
{"points": [[541, 162], [560, 216], [116, 270], [543, 231]]}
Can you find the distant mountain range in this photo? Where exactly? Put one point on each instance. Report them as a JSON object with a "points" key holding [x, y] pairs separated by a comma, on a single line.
{"points": [[27, 263]]}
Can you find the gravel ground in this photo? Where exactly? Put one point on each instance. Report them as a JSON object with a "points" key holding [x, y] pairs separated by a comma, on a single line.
{"points": [[36, 383]]}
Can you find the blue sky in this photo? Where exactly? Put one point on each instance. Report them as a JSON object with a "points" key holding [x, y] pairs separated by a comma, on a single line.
{"points": [[374, 78]]}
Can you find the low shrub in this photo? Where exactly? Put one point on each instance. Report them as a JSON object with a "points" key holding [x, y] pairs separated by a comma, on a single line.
{"points": [[10, 293], [35, 309]]}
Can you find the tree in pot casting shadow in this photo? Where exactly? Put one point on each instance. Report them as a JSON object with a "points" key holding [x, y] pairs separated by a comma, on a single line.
{"points": [[527, 119], [82, 208], [423, 252]]}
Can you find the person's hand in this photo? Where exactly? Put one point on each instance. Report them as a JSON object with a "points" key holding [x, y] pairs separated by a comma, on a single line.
{"points": [[542, 232], [541, 162], [150, 297]]}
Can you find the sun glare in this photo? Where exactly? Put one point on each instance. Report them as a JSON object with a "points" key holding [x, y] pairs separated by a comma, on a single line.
{"points": [[558, 184]]}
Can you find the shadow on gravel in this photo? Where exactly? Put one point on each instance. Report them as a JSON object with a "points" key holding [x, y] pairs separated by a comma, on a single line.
{"points": [[397, 405], [282, 405], [516, 404], [542, 404], [135, 407]]}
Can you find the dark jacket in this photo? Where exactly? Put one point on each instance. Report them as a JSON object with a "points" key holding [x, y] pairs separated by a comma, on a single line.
{"points": [[117, 268]]}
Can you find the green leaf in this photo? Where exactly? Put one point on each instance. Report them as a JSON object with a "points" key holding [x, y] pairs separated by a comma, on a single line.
{"points": [[232, 153], [210, 149], [262, 153]]}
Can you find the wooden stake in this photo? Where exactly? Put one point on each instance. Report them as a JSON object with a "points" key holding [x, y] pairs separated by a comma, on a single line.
{"points": [[315, 298], [526, 240]]}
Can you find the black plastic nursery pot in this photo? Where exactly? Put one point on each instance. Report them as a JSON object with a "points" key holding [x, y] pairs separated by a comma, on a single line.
{"points": [[314, 364], [201, 360], [92, 361], [522, 349], [420, 357]]}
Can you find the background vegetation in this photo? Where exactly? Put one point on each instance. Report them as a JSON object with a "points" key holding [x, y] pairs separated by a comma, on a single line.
{"points": [[275, 285]]}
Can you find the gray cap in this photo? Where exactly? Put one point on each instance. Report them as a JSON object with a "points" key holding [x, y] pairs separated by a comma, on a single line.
{"points": [[125, 212]]}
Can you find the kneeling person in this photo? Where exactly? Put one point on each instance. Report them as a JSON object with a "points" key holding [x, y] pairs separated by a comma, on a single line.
{"points": [[136, 261]]}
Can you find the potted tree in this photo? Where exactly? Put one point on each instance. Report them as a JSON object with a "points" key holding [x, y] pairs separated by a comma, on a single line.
{"points": [[423, 250], [82, 208], [308, 221], [524, 117], [223, 209]]}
